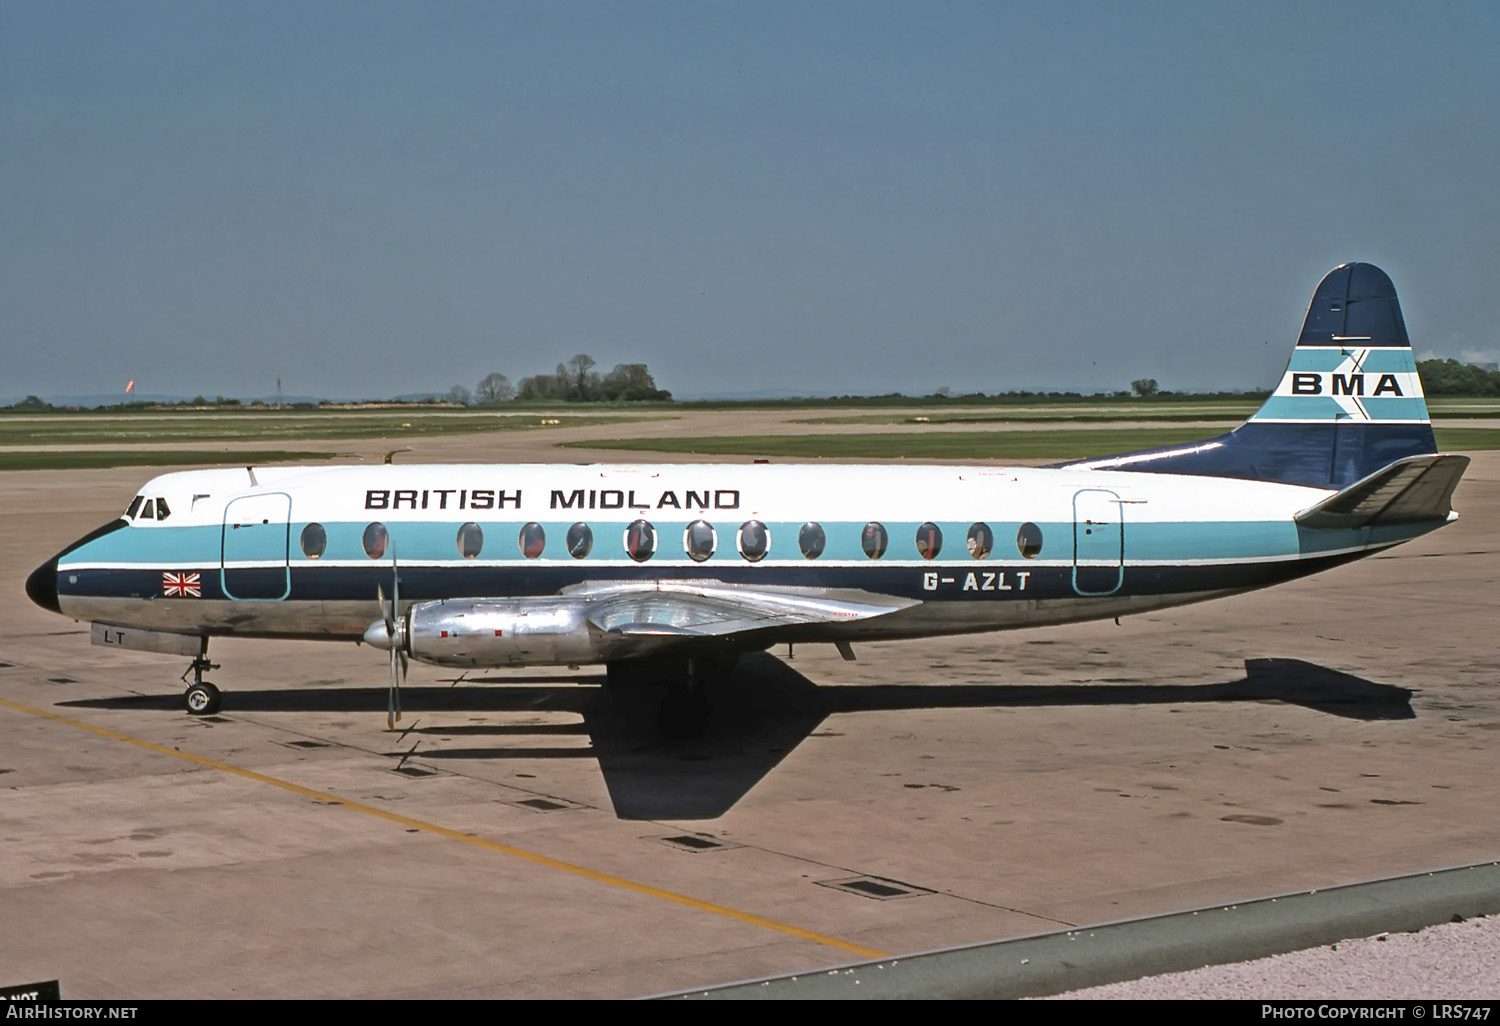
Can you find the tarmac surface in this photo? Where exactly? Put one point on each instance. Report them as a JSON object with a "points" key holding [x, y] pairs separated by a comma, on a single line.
{"points": [[527, 835]]}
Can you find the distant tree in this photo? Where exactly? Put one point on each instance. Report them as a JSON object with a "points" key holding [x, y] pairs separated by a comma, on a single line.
{"points": [[1144, 387], [544, 386], [460, 395], [631, 382], [583, 383], [494, 388], [1449, 377]]}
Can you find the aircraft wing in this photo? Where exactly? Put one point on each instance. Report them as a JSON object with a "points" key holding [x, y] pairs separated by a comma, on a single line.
{"points": [[1409, 491], [715, 609]]}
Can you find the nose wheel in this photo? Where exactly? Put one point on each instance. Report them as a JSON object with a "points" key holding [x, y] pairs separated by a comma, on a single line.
{"points": [[201, 697]]}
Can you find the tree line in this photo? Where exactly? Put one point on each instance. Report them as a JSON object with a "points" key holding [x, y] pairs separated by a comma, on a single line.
{"points": [[574, 381]]}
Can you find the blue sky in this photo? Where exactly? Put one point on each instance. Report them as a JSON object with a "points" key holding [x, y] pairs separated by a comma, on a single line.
{"points": [[375, 198]]}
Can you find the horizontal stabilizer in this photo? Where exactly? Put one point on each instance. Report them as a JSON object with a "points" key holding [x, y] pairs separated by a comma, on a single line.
{"points": [[716, 609], [1409, 491]]}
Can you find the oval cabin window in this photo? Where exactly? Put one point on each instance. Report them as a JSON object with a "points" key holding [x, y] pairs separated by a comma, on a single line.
{"points": [[929, 540], [874, 540], [981, 541], [754, 540], [640, 541], [314, 540], [375, 540], [580, 540], [532, 540], [699, 540], [1029, 540], [811, 540], [470, 541]]}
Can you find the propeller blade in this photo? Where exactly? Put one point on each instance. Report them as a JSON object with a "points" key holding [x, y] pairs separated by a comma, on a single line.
{"points": [[393, 705], [398, 646]]}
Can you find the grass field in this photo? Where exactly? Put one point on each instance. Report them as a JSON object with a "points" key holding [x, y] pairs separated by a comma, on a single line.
{"points": [[271, 426], [91, 459], [1229, 414], [980, 445]]}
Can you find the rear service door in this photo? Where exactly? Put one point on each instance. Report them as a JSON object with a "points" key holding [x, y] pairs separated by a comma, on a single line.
{"points": [[1098, 542], [255, 546]]}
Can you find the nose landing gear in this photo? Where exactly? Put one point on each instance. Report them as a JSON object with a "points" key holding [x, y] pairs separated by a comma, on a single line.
{"points": [[201, 697]]}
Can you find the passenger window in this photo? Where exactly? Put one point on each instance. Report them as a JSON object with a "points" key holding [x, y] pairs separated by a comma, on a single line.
{"points": [[375, 539], [314, 540], [640, 541], [874, 540], [161, 509], [755, 540], [148, 511], [812, 540], [135, 504], [929, 540], [981, 541], [580, 541], [533, 540], [1029, 540], [700, 539], [470, 540]]}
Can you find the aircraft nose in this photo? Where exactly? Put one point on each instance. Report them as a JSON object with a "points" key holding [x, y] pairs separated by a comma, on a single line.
{"points": [[41, 586]]}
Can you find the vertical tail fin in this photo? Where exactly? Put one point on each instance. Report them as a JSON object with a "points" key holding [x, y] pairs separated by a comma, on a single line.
{"points": [[1349, 404]]}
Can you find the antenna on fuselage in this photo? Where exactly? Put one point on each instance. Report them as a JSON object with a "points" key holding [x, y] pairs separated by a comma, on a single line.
{"points": [[390, 457], [253, 483]]}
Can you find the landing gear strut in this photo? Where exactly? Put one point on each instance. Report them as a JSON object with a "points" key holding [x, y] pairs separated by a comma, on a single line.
{"points": [[684, 712], [201, 697]]}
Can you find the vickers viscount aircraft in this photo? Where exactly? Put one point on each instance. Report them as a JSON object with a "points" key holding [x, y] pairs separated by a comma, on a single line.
{"points": [[671, 572]]}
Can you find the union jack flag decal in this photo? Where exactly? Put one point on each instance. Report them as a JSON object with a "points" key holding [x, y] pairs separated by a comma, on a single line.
{"points": [[180, 585]]}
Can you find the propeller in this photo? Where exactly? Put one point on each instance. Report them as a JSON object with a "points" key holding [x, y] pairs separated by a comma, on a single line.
{"points": [[395, 631]]}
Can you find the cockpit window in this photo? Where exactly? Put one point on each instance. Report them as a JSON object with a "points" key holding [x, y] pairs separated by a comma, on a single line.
{"points": [[148, 511], [135, 504], [161, 509]]}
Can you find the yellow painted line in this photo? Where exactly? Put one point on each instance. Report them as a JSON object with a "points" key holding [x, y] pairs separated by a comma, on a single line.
{"points": [[479, 842]]}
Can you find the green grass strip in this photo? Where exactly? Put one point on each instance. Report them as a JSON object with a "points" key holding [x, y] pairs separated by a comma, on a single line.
{"points": [[86, 429], [983, 445], [92, 459]]}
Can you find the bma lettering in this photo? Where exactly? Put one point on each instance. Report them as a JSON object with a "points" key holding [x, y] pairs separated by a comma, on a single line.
{"points": [[1307, 384], [1348, 384], [1387, 383]]}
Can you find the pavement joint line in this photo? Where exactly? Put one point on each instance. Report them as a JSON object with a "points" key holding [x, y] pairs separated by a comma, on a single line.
{"points": [[747, 918]]}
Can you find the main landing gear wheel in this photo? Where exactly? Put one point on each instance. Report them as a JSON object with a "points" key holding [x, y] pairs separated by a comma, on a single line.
{"points": [[202, 699]]}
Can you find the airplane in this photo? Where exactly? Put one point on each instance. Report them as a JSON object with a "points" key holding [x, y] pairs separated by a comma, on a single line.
{"points": [[669, 573]]}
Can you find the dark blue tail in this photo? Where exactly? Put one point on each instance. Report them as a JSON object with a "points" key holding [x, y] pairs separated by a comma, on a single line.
{"points": [[1349, 404]]}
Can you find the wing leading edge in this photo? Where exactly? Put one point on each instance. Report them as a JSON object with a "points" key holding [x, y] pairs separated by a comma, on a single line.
{"points": [[717, 609]]}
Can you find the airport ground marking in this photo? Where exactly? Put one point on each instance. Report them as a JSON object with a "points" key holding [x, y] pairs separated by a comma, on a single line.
{"points": [[748, 918]]}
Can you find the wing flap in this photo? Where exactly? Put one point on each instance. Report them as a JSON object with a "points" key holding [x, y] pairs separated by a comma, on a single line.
{"points": [[1409, 491], [716, 609]]}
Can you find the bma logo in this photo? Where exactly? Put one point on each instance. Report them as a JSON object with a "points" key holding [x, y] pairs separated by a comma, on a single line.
{"points": [[1343, 384]]}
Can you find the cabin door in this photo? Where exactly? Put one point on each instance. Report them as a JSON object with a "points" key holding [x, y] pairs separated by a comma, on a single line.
{"points": [[1098, 542], [256, 530]]}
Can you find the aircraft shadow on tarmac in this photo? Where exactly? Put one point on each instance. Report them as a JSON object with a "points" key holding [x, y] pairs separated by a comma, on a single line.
{"points": [[759, 716]]}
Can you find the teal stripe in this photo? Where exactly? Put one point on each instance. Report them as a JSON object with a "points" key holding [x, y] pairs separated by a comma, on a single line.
{"points": [[427, 540]]}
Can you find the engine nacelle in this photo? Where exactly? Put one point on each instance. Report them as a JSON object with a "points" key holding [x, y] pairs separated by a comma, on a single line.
{"points": [[511, 632]]}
